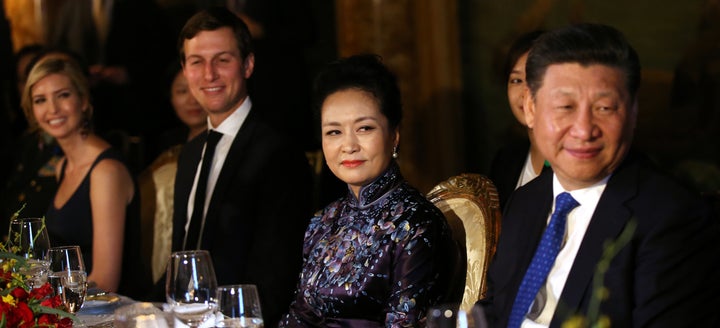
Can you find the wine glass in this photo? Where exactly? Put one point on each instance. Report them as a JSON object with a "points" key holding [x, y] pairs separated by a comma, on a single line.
{"points": [[29, 238], [190, 286], [68, 277], [238, 306]]}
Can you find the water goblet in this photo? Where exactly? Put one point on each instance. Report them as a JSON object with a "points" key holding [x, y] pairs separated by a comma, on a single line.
{"points": [[238, 306], [190, 287], [68, 277], [28, 238]]}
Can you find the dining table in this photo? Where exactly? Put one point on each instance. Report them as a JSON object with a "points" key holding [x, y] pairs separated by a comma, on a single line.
{"points": [[99, 308]]}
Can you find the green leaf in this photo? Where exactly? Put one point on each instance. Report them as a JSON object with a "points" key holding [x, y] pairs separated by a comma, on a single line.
{"points": [[59, 312]]}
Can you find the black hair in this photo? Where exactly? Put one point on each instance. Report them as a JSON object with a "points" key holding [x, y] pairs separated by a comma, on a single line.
{"points": [[520, 46], [363, 72], [585, 44], [171, 71]]}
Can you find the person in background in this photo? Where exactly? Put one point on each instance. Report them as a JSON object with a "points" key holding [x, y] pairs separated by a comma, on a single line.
{"points": [[192, 118], [31, 182], [520, 161], [652, 243], [94, 206], [251, 206], [126, 45], [382, 255], [8, 97], [157, 182]]}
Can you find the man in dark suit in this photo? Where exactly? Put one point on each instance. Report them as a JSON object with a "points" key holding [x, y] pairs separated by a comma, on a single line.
{"points": [[662, 269], [258, 197]]}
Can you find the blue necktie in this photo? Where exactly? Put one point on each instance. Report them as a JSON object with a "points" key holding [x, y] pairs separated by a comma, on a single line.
{"points": [[543, 259]]}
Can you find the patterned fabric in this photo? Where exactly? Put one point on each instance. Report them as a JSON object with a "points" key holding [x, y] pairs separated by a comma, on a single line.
{"points": [[543, 260], [380, 260]]}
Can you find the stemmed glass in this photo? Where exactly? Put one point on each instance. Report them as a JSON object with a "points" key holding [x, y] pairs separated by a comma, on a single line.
{"points": [[28, 238], [238, 306], [68, 276], [190, 286]]}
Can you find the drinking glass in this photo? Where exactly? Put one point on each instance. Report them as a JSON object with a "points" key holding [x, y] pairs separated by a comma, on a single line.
{"points": [[190, 287], [68, 277], [28, 238], [238, 306]]}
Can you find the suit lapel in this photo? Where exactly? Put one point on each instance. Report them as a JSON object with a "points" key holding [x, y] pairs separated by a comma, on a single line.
{"points": [[608, 221], [233, 161], [536, 215], [520, 237], [184, 178]]}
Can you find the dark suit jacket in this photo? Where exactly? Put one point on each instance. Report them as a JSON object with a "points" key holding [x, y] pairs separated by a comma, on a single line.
{"points": [[666, 276], [507, 166], [258, 213]]}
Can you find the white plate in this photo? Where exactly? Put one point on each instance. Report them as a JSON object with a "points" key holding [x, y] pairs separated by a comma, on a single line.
{"points": [[94, 301]]}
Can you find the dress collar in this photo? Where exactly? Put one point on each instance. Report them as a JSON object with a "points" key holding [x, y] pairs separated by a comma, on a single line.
{"points": [[378, 188]]}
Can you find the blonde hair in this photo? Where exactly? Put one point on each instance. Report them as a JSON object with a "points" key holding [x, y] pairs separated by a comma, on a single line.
{"points": [[56, 63]]}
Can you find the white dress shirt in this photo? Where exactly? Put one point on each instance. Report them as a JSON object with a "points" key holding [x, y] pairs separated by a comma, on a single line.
{"points": [[528, 172], [577, 223], [229, 129]]}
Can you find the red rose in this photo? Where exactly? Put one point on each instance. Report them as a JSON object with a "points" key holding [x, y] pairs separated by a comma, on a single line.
{"points": [[6, 276], [65, 323], [52, 302], [41, 292], [19, 294], [52, 320], [4, 307], [47, 319], [21, 316]]}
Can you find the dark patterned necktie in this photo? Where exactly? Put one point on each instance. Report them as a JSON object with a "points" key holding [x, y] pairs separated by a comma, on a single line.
{"points": [[543, 260], [192, 237]]}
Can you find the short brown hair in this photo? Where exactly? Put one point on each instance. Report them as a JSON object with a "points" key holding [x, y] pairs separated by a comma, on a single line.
{"points": [[213, 19]]}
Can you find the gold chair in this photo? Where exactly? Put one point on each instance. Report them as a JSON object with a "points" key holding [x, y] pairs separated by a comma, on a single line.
{"points": [[157, 187], [470, 204]]}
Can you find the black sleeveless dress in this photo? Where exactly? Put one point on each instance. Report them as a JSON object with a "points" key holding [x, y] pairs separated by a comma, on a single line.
{"points": [[71, 224]]}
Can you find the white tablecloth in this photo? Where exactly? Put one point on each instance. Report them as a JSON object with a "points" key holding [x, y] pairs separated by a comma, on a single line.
{"points": [[97, 314]]}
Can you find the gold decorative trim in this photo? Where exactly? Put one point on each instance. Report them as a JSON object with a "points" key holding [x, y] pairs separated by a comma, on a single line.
{"points": [[471, 205]]}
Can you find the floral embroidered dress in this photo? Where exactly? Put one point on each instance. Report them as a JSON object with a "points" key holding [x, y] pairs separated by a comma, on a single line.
{"points": [[380, 260]]}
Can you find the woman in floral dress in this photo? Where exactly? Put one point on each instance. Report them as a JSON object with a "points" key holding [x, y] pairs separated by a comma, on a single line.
{"points": [[382, 254]]}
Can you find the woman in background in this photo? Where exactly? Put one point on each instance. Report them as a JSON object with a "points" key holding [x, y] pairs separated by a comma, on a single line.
{"points": [[157, 182], [520, 161], [94, 205], [382, 254]]}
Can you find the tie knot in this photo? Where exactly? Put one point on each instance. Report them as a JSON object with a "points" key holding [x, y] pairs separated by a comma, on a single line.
{"points": [[564, 203], [213, 138]]}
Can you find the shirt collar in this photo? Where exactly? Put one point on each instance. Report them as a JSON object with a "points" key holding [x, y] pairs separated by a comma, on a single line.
{"points": [[585, 196], [231, 125]]}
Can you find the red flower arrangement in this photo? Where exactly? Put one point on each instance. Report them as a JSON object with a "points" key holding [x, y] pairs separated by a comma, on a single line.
{"points": [[25, 307]]}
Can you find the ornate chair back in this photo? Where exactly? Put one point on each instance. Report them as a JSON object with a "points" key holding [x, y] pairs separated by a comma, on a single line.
{"points": [[471, 205]]}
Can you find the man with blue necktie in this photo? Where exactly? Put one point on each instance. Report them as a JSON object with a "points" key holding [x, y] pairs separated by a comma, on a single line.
{"points": [[581, 105]]}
